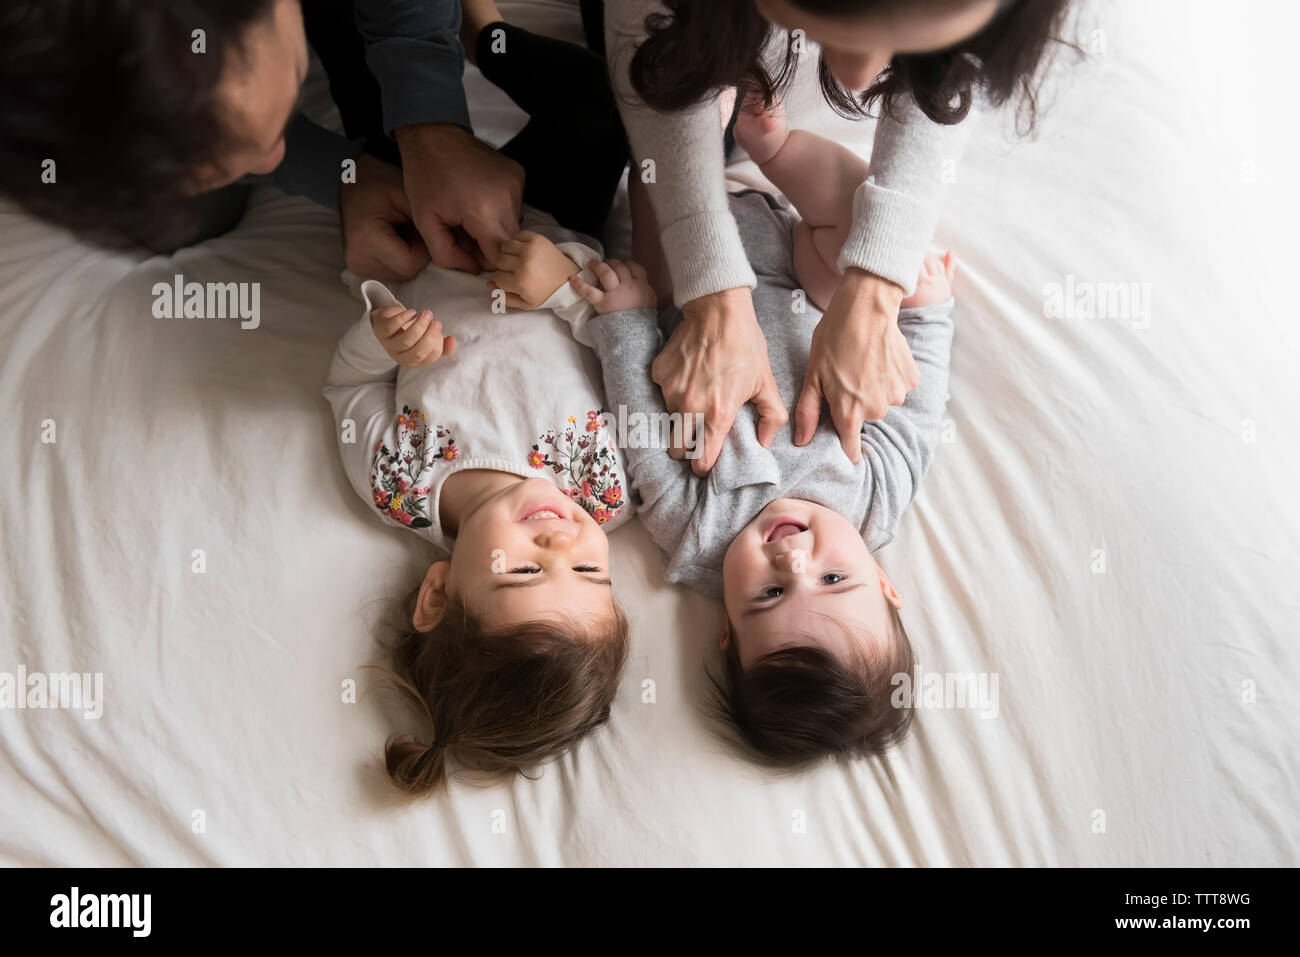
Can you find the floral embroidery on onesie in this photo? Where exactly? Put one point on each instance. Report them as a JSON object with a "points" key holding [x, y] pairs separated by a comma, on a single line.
{"points": [[583, 464]]}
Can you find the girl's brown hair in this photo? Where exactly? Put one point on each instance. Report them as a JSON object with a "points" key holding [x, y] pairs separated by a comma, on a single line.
{"points": [[698, 47], [500, 701]]}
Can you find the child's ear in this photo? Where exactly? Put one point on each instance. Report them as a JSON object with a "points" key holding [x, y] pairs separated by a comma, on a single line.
{"points": [[432, 600], [887, 588]]}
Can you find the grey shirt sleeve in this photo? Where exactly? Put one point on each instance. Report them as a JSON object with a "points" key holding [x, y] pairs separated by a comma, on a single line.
{"points": [[312, 164], [899, 447], [413, 49], [896, 209], [626, 343]]}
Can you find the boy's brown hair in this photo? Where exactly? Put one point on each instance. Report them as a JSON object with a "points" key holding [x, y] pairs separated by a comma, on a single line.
{"points": [[499, 701], [797, 704]]}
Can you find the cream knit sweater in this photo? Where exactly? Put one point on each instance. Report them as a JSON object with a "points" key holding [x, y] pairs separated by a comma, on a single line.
{"points": [[894, 212]]}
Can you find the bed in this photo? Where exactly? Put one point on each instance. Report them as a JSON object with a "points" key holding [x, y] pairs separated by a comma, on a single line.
{"points": [[1109, 532]]}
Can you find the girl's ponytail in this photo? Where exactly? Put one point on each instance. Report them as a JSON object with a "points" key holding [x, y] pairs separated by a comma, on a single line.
{"points": [[414, 767]]}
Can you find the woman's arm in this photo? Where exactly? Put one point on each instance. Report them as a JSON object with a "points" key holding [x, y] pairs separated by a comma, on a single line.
{"points": [[716, 360], [688, 190], [859, 364], [895, 211]]}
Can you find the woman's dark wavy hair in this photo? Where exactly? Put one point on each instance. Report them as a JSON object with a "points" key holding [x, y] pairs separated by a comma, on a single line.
{"points": [[700, 46], [110, 90]]}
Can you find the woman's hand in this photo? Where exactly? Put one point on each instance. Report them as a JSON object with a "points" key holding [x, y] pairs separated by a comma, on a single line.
{"points": [[860, 363], [714, 362]]}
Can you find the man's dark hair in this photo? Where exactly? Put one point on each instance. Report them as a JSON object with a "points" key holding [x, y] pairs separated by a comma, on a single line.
{"points": [[111, 91]]}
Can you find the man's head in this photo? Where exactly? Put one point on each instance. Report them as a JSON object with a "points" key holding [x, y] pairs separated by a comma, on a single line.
{"points": [[142, 104], [813, 637]]}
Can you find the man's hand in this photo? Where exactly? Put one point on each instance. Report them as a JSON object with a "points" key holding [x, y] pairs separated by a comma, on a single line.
{"points": [[412, 339], [530, 269], [457, 183], [623, 285], [859, 363], [714, 362], [373, 211]]}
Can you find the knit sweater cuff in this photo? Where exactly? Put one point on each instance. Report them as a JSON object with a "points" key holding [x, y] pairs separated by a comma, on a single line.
{"points": [[705, 255], [890, 233]]}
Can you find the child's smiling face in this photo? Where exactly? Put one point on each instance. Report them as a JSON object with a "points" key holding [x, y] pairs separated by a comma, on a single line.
{"points": [[527, 553], [800, 574]]}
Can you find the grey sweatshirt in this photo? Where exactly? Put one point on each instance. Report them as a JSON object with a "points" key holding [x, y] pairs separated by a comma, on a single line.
{"points": [[894, 211], [694, 519]]}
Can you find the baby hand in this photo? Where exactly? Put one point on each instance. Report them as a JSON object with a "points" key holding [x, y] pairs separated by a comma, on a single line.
{"points": [[623, 285], [934, 284], [411, 339], [530, 269]]}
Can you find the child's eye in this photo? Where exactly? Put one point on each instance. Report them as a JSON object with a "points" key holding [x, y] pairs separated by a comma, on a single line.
{"points": [[772, 591], [833, 578], [526, 570], [586, 568]]}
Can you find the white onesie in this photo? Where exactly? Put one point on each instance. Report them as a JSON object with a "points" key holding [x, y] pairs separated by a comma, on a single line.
{"points": [[518, 395]]}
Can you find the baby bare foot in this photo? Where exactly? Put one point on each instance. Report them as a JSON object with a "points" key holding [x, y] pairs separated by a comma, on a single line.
{"points": [[761, 132], [934, 284], [475, 15]]}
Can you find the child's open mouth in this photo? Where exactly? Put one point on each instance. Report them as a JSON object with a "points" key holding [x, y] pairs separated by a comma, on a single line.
{"points": [[783, 528], [543, 508]]}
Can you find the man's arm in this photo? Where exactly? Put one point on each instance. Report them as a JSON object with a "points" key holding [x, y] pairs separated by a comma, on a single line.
{"points": [[313, 162], [413, 49], [452, 180]]}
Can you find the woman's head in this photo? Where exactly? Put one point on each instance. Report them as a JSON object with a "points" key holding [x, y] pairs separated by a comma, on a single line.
{"points": [[938, 51], [513, 649], [142, 104]]}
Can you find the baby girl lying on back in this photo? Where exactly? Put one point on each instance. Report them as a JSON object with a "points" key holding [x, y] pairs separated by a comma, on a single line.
{"points": [[785, 534], [480, 430]]}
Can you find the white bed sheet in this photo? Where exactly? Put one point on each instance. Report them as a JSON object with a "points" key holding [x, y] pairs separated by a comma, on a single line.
{"points": [[1167, 450]]}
